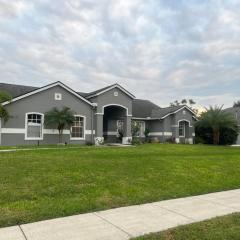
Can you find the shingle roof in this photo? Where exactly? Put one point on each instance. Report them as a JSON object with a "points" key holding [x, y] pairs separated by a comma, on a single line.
{"points": [[235, 111], [16, 90], [159, 113], [143, 108], [146, 109]]}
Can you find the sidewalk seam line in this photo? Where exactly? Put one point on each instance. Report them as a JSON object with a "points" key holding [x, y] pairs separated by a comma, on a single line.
{"points": [[180, 214], [119, 228], [23, 233]]}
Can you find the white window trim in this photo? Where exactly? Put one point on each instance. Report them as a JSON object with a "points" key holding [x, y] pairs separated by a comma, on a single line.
{"points": [[26, 124], [184, 128], [84, 129]]}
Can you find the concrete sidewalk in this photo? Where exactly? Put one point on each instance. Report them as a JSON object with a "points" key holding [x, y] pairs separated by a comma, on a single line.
{"points": [[127, 222]]}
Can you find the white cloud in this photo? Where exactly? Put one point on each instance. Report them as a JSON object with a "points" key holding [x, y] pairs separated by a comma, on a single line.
{"points": [[168, 49]]}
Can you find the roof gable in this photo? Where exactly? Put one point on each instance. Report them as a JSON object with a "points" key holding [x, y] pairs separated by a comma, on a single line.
{"points": [[175, 109], [45, 88], [108, 88]]}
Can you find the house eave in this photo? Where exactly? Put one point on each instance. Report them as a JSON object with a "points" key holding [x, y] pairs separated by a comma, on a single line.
{"points": [[110, 88], [45, 88]]}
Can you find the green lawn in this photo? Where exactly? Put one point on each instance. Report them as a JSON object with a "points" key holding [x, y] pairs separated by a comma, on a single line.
{"points": [[43, 184], [221, 228]]}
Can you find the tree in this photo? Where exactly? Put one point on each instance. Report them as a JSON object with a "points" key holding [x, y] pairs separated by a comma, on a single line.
{"points": [[191, 102], [216, 119], [59, 119], [236, 104], [175, 103], [184, 101], [4, 96]]}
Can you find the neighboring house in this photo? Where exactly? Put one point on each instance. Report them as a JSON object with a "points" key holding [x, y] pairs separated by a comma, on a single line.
{"points": [[235, 111], [103, 115]]}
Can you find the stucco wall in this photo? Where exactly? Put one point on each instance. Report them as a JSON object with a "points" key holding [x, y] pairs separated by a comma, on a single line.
{"points": [[43, 102], [109, 98]]}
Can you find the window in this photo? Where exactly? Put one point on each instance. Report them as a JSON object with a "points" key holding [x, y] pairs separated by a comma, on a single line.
{"points": [[115, 94], [78, 128], [141, 128], [34, 126], [181, 129], [58, 96]]}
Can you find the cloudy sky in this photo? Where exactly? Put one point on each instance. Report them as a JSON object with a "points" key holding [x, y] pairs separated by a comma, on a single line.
{"points": [[160, 50]]}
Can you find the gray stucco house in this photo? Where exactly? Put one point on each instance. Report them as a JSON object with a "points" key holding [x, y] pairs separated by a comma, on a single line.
{"points": [[235, 111], [100, 116]]}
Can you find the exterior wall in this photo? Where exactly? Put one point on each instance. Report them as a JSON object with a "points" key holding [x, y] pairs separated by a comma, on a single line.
{"points": [[156, 128], [109, 99], [190, 133], [42, 102], [168, 128], [161, 130]]}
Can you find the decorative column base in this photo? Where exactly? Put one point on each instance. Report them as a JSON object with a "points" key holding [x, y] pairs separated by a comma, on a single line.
{"points": [[99, 141], [127, 140]]}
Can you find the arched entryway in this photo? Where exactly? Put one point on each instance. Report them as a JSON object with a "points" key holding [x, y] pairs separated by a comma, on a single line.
{"points": [[114, 123]]}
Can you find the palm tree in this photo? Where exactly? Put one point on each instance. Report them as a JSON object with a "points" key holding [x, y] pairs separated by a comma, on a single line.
{"points": [[3, 112], [60, 119], [216, 119]]}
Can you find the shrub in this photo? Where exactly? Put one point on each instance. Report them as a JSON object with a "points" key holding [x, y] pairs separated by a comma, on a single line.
{"points": [[227, 136], [136, 141]]}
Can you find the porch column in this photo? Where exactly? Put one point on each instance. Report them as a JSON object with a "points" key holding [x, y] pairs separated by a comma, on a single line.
{"points": [[99, 129], [127, 136]]}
